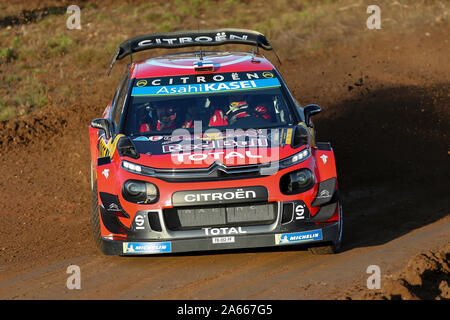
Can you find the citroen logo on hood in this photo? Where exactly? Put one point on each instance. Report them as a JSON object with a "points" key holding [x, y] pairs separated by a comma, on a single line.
{"points": [[217, 165]]}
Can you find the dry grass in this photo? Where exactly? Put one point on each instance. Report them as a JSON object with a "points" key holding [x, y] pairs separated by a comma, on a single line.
{"points": [[43, 63]]}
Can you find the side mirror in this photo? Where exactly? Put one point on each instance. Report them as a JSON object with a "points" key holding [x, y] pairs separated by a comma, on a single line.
{"points": [[310, 110], [102, 124]]}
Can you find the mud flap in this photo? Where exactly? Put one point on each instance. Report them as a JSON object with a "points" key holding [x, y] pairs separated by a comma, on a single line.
{"points": [[105, 184]]}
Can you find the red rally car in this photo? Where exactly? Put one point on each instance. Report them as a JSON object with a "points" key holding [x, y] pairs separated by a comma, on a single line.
{"points": [[209, 150]]}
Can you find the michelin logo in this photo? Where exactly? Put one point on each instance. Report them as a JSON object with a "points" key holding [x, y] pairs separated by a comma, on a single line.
{"points": [[147, 247], [287, 238]]}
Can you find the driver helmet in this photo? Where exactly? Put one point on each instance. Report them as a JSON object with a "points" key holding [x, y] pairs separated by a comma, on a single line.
{"points": [[237, 108], [166, 117], [261, 111]]}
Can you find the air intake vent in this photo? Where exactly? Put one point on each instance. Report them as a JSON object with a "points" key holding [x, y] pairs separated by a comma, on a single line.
{"points": [[153, 220], [288, 212]]}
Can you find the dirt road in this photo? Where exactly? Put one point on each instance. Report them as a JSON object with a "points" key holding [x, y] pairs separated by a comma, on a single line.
{"points": [[387, 114]]}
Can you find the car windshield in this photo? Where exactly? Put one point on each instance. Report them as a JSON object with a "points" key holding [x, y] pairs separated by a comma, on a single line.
{"points": [[242, 104]]}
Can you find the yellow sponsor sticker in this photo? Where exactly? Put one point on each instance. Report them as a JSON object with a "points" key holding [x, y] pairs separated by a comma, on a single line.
{"points": [[112, 144], [102, 148], [213, 136], [289, 136], [141, 83]]}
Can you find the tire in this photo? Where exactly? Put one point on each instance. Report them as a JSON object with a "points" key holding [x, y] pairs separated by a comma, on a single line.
{"points": [[334, 247], [95, 218]]}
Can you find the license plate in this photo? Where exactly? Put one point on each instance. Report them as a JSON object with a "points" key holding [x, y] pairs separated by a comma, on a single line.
{"points": [[223, 240]]}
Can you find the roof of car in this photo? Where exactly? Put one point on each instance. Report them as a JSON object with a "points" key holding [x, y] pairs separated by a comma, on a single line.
{"points": [[183, 64]]}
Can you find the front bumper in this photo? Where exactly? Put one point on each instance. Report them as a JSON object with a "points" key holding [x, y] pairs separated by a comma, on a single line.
{"points": [[278, 237]]}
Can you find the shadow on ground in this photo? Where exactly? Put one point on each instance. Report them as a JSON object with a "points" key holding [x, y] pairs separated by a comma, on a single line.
{"points": [[31, 16], [392, 155]]}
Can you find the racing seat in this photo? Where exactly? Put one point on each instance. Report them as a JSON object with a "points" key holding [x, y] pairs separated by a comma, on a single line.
{"points": [[217, 114], [144, 120], [218, 119]]}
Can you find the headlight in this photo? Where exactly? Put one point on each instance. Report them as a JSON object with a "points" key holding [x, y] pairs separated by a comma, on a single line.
{"points": [[299, 157], [132, 167], [296, 158], [140, 191], [135, 168], [297, 181]]}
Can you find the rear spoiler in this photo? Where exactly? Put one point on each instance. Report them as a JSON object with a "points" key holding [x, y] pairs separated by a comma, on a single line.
{"points": [[189, 39]]}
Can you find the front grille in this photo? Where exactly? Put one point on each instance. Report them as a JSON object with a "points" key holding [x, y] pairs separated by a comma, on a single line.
{"points": [[216, 171], [220, 215]]}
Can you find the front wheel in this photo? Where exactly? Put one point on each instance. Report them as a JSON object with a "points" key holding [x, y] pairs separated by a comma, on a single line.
{"points": [[334, 247]]}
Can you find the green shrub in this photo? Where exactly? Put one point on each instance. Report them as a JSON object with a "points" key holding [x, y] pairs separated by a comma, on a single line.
{"points": [[7, 55], [60, 44]]}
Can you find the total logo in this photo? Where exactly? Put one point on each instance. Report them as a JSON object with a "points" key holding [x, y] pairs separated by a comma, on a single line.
{"points": [[180, 157], [225, 230]]}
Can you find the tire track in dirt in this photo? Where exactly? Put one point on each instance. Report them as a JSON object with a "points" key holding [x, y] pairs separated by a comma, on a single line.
{"points": [[391, 138], [232, 283], [262, 275]]}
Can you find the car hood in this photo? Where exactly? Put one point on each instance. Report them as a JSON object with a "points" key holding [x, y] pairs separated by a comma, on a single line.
{"points": [[201, 150]]}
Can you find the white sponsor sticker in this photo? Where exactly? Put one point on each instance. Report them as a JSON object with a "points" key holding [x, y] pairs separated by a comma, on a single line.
{"points": [[223, 240], [305, 236], [106, 173], [155, 138], [139, 220], [147, 247]]}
